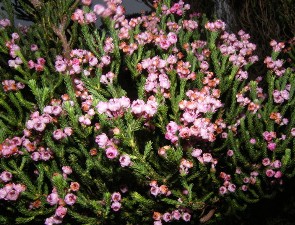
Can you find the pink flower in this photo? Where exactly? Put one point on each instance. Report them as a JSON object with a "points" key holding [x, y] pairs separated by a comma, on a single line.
{"points": [[70, 199], [230, 152], [102, 140], [222, 190], [38, 125], [186, 216], [35, 156], [167, 217], [34, 47], [86, 2], [31, 64], [207, 157], [61, 211], [102, 107], [93, 61], [3, 193], [277, 164], [52, 220], [125, 160], [172, 38], [278, 174], [99, 9], [271, 146], [53, 198], [5, 176], [111, 152], [172, 127], [116, 206], [67, 170], [196, 152], [12, 195], [60, 66], [155, 190], [184, 132], [157, 222], [176, 214], [116, 197], [270, 173], [231, 187], [268, 136], [56, 110], [74, 186], [266, 161], [45, 155], [58, 134], [68, 131], [244, 188]]}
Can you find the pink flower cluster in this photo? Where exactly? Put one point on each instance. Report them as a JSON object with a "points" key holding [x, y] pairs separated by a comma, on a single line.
{"points": [[83, 18], [11, 191], [184, 166], [38, 66], [272, 168], [239, 50], [269, 137], [42, 154], [204, 158], [178, 8], [107, 78], [281, 96], [110, 148], [5, 176], [61, 210], [277, 117], [253, 107], [75, 65], [175, 215], [277, 46], [10, 147], [13, 49], [159, 190], [248, 180], [113, 10], [117, 106], [38, 122], [227, 186], [217, 25], [5, 23], [275, 65], [166, 41], [11, 85], [59, 134], [116, 198], [195, 124]]}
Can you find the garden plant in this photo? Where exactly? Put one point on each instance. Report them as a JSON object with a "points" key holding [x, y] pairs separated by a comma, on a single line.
{"points": [[151, 119]]}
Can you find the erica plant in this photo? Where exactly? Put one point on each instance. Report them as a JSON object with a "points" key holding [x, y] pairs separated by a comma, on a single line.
{"points": [[152, 119]]}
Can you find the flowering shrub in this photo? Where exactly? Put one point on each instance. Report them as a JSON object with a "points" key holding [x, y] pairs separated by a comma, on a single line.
{"points": [[151, 120]]}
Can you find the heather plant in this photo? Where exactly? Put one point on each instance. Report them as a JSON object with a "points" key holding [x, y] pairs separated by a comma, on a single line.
{"points": [[152, 119]]}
